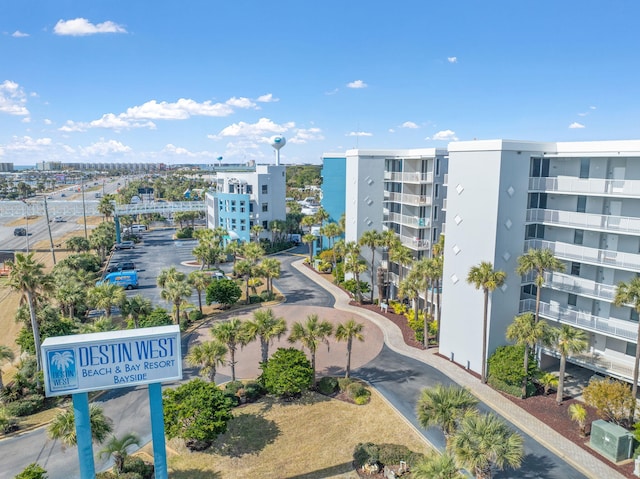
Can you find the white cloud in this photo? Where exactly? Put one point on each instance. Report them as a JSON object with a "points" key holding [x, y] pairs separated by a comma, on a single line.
{"points": [[592, 108], [27, 143], [13, 99], [446, 135], [392, 130], [26, 119], [263, 127], [181, 110], [268, 98], [81, 26], [240, 102], [409, 124], [357, 84], [47, 121], [332, 92], [175, 150], [303, 135], [452, 59], [575, 125], [119, 123], [359, 133], [19, 34], [104, 148]]}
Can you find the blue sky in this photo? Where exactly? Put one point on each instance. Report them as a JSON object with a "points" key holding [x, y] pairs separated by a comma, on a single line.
{"points": [[190, 81]]}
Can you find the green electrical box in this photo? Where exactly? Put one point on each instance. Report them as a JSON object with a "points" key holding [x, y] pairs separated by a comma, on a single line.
{"points": [[612, 441]]}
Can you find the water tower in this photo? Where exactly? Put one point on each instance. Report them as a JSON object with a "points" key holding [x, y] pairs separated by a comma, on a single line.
{"points": [[277, 142]]}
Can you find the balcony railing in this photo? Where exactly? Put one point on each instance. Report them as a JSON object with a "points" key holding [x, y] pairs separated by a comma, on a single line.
{"points": [[598, 362], [408, 177], [415, 243], [612, 327], [583, 254], [587, 221], [412, 221], [593, 186], [575, 285], [405, 198]]}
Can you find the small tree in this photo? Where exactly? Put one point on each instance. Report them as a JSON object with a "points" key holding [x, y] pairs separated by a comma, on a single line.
{"points": [[32, 471], [548, 381], [444, 406], [5, 354], [63, 426], [197, 412], [612, 399], [578, 414], [223, 291], [287, 373], [117, 447]]}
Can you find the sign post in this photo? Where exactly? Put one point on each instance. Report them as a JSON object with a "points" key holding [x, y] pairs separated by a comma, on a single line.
{"points": [[91, 362]]}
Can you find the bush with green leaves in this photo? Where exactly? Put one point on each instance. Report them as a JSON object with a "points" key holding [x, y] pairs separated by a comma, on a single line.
{"points": [[358, 393], [195, 315], [26, 406], [505, 369], [287, 373], [416, 324], [185, 233], [350, 285], [32, 471], [8, 422], [157, 317], [327, 385], [232, 387], [197, 412], [343, 384], [135, 465], [223, 291], [612, 399], [253, 391], [391, 454], [81, 262]]}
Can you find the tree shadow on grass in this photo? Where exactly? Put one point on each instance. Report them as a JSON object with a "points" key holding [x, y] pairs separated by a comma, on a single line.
{"points": [[344, 468], [246, 434], [195, 474]]}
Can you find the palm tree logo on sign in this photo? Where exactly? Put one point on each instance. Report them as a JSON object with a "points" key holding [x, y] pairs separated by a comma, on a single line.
{"points": [[62, 369]]}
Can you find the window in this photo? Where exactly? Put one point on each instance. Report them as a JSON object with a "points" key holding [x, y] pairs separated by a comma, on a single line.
{"points": [[582, 204], [265, 189], [578, 236], [575, 268], [243, 228], [572, 299], [584, 167], [435, 235], [265, 225], [535, 231], [435, 213], [437, 190], [265, 207], [537, 200], [539, 167], [242, 209], [437, 166], [249, 189], [250, 207]]}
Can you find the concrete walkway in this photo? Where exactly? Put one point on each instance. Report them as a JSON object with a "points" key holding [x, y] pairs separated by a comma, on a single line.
{"points": [[580, 459]]}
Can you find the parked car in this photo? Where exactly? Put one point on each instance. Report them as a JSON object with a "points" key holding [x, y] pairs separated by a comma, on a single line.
{"points": [[125, 245], [59, 219], [126, 279], [20, 232], [123, 266]]}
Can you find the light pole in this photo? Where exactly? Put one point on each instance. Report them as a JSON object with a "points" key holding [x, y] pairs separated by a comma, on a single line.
{"points": [[46, 214], [26, 217], [84, 210]]}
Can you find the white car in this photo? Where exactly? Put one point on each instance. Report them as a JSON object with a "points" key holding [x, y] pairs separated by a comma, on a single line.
{"points": [[59, 219]]}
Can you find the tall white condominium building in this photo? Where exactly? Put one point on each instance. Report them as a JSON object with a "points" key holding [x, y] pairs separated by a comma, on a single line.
{"points": [[245, 197], [401, 190], [581, 201]]}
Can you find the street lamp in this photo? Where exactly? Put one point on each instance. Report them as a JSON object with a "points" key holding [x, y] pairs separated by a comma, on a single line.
{"points": [[26, 216], [46, 214], [84, 210]]}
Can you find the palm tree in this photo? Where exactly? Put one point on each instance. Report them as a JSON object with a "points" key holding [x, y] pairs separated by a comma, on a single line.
{"points": [[135, 307], [578, 414], [484, 442], [244, 268], [484, 277], [311, 333], [266, 327], [548, 381], [540, 261], [629, 293], [438, 257], [568, 341], [106, 296], [118, 449], [208, 355], [332, 231], [168, 275], [271, 270], [402, 256], [78, 244], [252, 252], [106, 207], [353, 264], [63, 426], [175, 292], [232, 333], [255, 232], [444, 406], [27, 277], [437, 466], [524, 331], [348, 332], [199, 280], [372, 240], [233, 248], [410, 288], [5, 353], [309, 239]]}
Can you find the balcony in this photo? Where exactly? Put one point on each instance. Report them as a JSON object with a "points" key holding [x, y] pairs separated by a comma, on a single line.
{"points": [[415, 243], [408, 177], [444, 204], [587, 221], [586, 186], [576, 285], [615, 328], [407, 199], [406, 220], [583, 254]]}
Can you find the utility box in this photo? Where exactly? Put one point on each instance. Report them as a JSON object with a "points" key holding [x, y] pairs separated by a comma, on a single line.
{"points": [[612, 441]]}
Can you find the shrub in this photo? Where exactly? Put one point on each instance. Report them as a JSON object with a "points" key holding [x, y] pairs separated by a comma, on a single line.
{"points": [[366, 453], [394, 453], [106, 475], [233, 387], [24, 407], [398, 307], [8, 423], [32, 471], [327, 385], [136, 465], [612, 399], [343, 383], [338, 273], [417, 325], [287, 373], [253, 391], [184, 324], [363, 398], [358, 393], [267, 296], [255, 299], [185, 233], [195, 315], [506, 365]]}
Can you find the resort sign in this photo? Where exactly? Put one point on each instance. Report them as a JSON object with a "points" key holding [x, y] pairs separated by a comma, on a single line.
{"points": [[98, 361]]}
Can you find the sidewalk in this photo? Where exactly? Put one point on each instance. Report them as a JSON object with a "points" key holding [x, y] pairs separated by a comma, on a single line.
{"points": [[581, 460]]}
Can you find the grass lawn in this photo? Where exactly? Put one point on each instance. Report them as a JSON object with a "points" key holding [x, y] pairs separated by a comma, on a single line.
{"points": [[311, 438]]}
